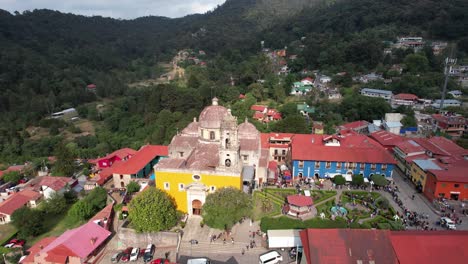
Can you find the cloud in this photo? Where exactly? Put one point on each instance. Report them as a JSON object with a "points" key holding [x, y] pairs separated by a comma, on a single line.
{"points": [[126, 9]]}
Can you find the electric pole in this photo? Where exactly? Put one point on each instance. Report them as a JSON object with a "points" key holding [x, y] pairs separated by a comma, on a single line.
{"points": [[449, 62]]}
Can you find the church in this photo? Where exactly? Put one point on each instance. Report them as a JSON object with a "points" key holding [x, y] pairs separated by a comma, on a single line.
{"points": [[209, 154]]}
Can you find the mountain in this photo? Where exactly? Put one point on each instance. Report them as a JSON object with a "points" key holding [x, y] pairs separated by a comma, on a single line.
{"points": [[47, 57]]}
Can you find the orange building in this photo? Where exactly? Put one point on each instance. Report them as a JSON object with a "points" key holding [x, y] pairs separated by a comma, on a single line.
{"points": [[450, 183]]}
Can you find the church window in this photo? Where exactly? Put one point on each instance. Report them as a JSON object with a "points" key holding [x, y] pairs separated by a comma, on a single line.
{"points": [[181, 187], [212, 188], [301, 164], [246, 157], [228, 163], [317, 164], [121, 176], [167, 186], [228, 143], [212, 135], [196, 177], [181, 154]]}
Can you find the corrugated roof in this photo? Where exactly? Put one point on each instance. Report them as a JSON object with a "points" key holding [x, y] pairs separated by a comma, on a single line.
{"points": [[369, 90], [140, 159], [427, 164], [18, 200]]}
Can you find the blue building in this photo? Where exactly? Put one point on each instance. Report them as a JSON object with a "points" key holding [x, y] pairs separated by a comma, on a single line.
{"points": [[325, 156]]}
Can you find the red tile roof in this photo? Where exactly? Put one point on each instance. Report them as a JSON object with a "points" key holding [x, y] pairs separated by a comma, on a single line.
{"points": [[55, 183], [258, 115], [241, 96], [453, 120], [410, 146], [342, 246], [36, 248], [307, 79], [406, 96], [258, 108], [300, 200], [448, 146], [105, 174], [139, 160], [456, 172], [80, 242], [91, 86], [430, 247], [355, 125], [354, 148], [386, 138], [104, 216], [18, 200]]}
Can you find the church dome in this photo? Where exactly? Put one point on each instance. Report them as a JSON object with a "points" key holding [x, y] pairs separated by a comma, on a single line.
{"points": [[247, 130], [213, 115], [191, 129]]}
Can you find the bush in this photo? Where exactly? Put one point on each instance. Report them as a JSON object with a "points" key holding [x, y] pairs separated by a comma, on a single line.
{"points": [[382, 203], [339, 180], [284, 222], [379, 180], [133, 187]]}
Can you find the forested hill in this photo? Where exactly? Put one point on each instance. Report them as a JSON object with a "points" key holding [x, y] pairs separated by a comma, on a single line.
{"points": [[47, 57]]}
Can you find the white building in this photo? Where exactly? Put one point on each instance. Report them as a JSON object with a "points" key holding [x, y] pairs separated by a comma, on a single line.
{"points": [[387, 95], [447, 103]]}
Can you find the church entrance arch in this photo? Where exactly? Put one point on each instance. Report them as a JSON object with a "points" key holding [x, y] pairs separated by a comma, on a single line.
{"points": [[196, 207]]}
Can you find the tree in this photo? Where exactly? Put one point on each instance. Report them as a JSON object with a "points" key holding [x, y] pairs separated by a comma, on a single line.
{"points": [[133, 187], [56, 204], [12, 176], [379, 180], [292, 124], [65, 164], [81, 210], [358, 180], [225, 207], [339, 180], [416, 63], [97, 198], [28, 221], [152, 210]]}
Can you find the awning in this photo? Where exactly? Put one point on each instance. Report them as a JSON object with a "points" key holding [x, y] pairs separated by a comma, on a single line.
{"points": [[348, 177], [366, 180]]}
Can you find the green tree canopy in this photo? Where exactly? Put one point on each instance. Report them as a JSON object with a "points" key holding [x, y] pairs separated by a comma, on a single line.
{"points": [[339, 180], [416, 63], [379, 180], [29, 222], [152, 210], [12, 176], [65, 164], [225, 207], [358, 180], [56, 204], [133, 187], [292, 124]]}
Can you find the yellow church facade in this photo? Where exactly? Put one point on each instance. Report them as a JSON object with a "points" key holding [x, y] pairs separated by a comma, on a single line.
{"points": [[209, 154]]}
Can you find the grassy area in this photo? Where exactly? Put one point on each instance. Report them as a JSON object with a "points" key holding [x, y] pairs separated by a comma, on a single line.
{"points": [[7, 231], [263, 206], [284, 222], [325, 207], [319, 195], [55, 226]]}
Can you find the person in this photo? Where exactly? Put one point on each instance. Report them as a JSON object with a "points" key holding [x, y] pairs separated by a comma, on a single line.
{"points": [[243, 251], [412, 197]]}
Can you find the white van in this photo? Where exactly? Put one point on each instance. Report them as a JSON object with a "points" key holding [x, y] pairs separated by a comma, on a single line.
{"points": [[198, 261], [271, 257]]}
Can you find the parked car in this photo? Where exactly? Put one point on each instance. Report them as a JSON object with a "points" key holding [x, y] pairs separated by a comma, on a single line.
{"points": [[134, 254], [149, 251], [116, 257], [15, 243], [126, 254], [160, 261], [447, 223]]}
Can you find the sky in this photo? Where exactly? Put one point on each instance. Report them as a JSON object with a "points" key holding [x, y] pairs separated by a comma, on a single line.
{"points": [[125, 9]]}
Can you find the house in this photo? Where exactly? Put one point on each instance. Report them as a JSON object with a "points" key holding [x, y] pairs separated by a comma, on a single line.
{"points": [[447, 103], [323, 156], [406, 151], [50, 185], [371, 77], [18, 168], [17, 200], [324, 79], [405, 99], [456, 93], [91, 87], [109, 159], [263, 114], [386, 139], [78, 245], [333, 94], [357, 126], [300, 89], [139, 166], [317, 128], [451, 124], [387, 95], [299, 204], [305, 109], [307, 81], [277, 145], [419, 169], [415, 43], [450, 182], [392, 123], [347, 246], [66, 114]]}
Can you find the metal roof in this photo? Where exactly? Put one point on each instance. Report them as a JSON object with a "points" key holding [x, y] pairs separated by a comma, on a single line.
{"points": [[427, 165]]}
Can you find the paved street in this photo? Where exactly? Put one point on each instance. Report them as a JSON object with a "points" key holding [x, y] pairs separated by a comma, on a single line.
{"points": [[420, 204], [218, 251]]}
